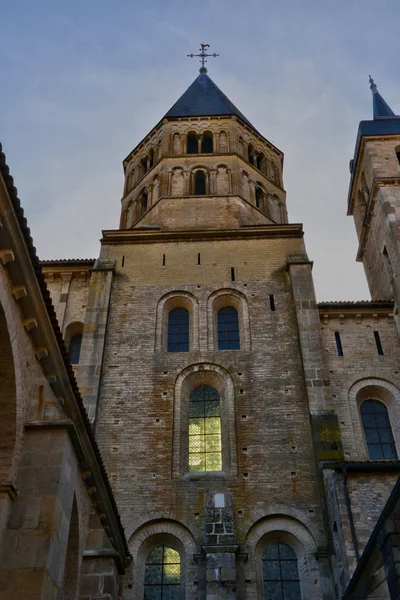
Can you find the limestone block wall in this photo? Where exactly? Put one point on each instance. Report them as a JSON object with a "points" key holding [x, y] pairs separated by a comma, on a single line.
{"points": [[271, 469], [361, 372]]}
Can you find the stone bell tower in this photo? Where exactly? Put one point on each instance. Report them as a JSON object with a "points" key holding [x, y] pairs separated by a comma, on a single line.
{"points": [[203, 409], [374, 199]]}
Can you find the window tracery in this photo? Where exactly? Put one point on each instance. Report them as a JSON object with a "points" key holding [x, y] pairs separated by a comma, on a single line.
{"points": [[162, 574], [178, 330], [228, 328], [378, 431], [205, 444], [280, 573]]}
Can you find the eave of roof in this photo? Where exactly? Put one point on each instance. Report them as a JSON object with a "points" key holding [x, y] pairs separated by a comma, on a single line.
{"points": [[26, 234]]}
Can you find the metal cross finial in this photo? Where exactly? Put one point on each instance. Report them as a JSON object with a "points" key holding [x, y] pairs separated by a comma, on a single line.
{"points": [[203, 55]]}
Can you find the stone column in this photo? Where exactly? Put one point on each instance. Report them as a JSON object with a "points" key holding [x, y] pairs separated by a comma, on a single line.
{"points": [[199, 144], [389, 546], [219, 547], [186, 184], [94, 333], [207, 177], [213, 181]]}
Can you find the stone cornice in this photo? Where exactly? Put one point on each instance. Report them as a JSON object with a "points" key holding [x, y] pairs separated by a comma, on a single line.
{"points": [[142, 236]]}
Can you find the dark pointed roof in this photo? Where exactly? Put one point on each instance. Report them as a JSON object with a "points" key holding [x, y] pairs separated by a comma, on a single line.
{"points": [[380, 107], [204, 99]]}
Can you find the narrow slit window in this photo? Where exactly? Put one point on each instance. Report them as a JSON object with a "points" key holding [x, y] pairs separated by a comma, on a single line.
{"points": [[228, 329], [281, 579], [232, 273], [178, 330], [205, 445], [163, 260], [378, 431], [338, 344], [123, 260], [198, 258], [272, 302], [378, 343], [162, 574]]}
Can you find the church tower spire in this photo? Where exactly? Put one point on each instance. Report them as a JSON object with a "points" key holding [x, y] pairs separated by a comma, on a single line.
{"points": [[380, 107], [203, 165]]}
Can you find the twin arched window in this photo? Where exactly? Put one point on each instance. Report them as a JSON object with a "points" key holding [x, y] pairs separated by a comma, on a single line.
{"points": [[74, 348], [280, 573], [228, 331], [378, 431], [205, 444], [203, 144], [162, 574]]}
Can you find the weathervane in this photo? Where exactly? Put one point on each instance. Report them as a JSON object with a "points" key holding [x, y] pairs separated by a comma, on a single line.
{"points": [[203, 55]]}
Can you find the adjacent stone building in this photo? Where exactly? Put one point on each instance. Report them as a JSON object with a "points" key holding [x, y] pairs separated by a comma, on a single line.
{"points": [[250, 435]]}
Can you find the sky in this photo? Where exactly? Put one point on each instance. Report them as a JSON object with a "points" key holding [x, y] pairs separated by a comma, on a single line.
{"points": [[84, 81]]}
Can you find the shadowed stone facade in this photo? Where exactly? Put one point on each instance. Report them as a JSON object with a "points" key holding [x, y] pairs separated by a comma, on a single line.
{"points": [[204, 228]]}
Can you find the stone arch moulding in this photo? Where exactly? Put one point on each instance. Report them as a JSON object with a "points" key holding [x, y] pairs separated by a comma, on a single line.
{"points": [[188, 380], [375, 388], [228, 297], [291, 531], [175, 299], [169, 532]]}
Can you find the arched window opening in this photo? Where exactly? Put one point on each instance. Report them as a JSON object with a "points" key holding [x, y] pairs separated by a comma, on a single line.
{"points": [[178, 330], [162, 574], [192, 146], [259, 158], [150, 159], [143, 202], [260, 198], [280, 573], [142, 167], [398, 154], [228, 328], [199, 183], [250, 153], [74, 348], [378, 431], [205, 445], [207, 143]]}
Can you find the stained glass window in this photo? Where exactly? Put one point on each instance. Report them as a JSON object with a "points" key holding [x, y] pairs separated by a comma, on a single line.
{"points": [[178, 330], [162, 574], [378, 432], [228, 329], [74, 348], [205, 450], [280, 573]]}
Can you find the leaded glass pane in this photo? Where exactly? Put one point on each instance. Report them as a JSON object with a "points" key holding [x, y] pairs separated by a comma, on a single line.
{"points": [[204, 430], [272, 591], [378, 432], [228, 329], [162, 574], [280, 573], [178, 330]]}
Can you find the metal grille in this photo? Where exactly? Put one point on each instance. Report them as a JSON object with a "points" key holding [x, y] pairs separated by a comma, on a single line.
{"points": [[162, 574], [205, 448], [378, 432], [228, 329], [280, 573], [178, 330]]}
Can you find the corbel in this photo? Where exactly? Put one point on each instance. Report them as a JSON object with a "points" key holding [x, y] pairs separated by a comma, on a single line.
{"points": [[358, 318], [51, 378], [30, 324], [19, 292], [6, 256], [41, 352]]}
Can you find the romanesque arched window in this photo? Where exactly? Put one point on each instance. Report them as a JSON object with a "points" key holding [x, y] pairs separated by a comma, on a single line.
{"points": [[207, 143], [228, 332], [162, 574], [199, 183], [398, 154], [143, 202], [178, 330], [280, 573], [260, 198], [250, 153], [192, 146], [378, 431], [205, 445], [74, 348]]}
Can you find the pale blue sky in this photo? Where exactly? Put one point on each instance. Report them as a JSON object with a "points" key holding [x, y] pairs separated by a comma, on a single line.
{"points": [[83, 81]]}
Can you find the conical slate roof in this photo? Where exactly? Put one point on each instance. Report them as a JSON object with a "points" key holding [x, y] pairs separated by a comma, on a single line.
{"points": [[380, 107], [204, 99]]}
